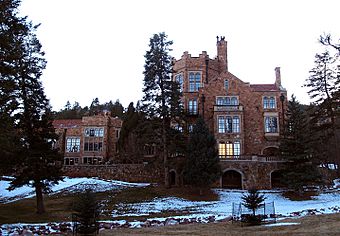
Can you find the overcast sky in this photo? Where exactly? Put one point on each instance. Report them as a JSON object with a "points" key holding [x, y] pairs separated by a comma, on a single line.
{"points": [[96, 48]]}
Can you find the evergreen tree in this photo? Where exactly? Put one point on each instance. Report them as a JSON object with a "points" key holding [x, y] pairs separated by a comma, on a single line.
{"points": [[324, 84], [127, 143], [202, 166], [252, 201], [86, 209], [159, 97], [295, 148], [116, 109], [35, 160]]}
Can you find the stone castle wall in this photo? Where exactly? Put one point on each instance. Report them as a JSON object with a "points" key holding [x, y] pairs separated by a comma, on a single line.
{"points": [[124, 172]]}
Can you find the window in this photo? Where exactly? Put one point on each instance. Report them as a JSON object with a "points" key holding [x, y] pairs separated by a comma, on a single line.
{"points": [[228, 124], [194, 81], [93, 141], [94, 132], [149, 150], [226, 84], [178, 127], [229, 149], [92, 160], [270, 124], [236, 124], [221, 124], [72, 144], [227, 101], [117, 133], [179, 80], [190, 128], [192, 107], [269, 103], [71, 161]]}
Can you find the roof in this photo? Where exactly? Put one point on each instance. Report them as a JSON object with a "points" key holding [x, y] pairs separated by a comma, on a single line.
{"points": [[67, 123], [264, 87]]}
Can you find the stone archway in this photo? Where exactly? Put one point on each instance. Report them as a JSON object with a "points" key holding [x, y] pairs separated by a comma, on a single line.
{"points": [[172, 178], [232, 179], [276, 179]]}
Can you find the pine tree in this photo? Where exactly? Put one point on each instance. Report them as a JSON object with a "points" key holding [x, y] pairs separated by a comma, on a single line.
{"points": [[202, 167], [127, 144], [86, 209], [252, 201], [324, 84], [159, 98], [295, 148], [35, 161]]}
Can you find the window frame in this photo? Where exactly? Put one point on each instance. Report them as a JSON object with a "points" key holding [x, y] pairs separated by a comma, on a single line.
{"points": [[195, 81], [72, 144]]}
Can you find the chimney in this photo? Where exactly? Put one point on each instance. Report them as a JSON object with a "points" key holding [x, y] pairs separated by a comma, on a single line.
{"points": [[277, 77], [222, 53]]}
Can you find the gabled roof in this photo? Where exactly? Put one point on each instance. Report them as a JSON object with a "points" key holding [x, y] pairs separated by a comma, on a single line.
{"points": [[67, 123], [264, 87]]}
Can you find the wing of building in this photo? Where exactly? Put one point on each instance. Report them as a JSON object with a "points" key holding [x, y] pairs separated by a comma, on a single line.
{"points": [[245, 118]]}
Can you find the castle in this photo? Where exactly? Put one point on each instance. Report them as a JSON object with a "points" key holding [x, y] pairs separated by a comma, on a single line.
{"points": [[245, 118]]}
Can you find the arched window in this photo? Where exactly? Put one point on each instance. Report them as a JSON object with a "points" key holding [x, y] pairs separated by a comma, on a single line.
{"points": [[234, 101]]}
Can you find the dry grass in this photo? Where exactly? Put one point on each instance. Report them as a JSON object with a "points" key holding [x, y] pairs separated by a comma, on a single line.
{"points": [[58, 206], [311, 225]]}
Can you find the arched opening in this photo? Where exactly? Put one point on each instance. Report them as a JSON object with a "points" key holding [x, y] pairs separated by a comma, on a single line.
{"points": [[172, 178], [276, 179], [270, 151], [232, 179]]}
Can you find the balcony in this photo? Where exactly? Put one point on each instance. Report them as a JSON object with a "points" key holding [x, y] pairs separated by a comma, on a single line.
{"points": [[251, 158], [221, 108]]}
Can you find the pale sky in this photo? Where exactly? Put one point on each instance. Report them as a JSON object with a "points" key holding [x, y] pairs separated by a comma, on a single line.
{"points": [[96, 48]]}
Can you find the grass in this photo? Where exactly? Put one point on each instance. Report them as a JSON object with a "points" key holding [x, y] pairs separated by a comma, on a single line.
{"points": [[59, 206]]}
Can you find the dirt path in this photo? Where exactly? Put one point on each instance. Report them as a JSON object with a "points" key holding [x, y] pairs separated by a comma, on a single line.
{"points": [[311, 225]]}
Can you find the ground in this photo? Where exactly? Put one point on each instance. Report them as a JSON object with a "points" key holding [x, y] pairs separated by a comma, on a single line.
{"points": [[129, 205], [309, 225]]}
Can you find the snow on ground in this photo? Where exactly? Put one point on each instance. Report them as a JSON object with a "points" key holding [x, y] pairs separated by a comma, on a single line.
{"points": [[323, 203], [184, 210], [68, 184]]}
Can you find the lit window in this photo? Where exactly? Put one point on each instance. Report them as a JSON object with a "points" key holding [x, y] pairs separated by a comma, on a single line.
{"points": [[229, 149], [179, 80], [271, 124], [221, 150], [72, 144]]}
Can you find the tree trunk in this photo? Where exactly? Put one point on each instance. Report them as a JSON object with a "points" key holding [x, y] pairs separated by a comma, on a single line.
{"points": [[165, 156], [40, 199]]}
